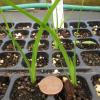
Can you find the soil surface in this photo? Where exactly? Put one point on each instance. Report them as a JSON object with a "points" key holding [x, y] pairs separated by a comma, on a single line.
{"points": [[44, 34], [81, 92], [9, 59], [91, 58], [23, 26], [87, 44], [23, 89], [42, 59], [20, 34], [82, 33], [43, 45], [63, 33], [4, 82], [78, 25], [67, 43], [58, 60], [96, 83], [8, 46]]}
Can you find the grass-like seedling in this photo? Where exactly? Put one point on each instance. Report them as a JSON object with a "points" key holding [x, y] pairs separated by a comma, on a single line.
{"points": [[43, 25]]}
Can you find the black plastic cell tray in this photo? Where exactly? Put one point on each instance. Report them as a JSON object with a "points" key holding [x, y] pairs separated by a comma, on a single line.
{"points": [[82, 69]]}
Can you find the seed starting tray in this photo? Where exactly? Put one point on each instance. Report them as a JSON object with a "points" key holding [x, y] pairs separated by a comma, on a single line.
{"points": [[49, 57]]}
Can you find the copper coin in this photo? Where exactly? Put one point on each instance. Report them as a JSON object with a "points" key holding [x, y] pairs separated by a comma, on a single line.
{"points": [[50, 85]]}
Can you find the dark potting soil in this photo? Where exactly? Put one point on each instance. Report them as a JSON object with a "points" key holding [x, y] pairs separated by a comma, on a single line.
{"points": [[8, 46], [58, 60], [37, 26], [9, 59], [20, 34], [96, 31], [94, 23], [3, 25], [43, 45], [78, 25], [45, 34], [96, 83], [81, 92], [42, 59], [91, 58], [87, 44], [63, 33], [4, 82], [81, 33], [67, 43], [23, 26], [23, 89], [1, 42], [2, 34]]}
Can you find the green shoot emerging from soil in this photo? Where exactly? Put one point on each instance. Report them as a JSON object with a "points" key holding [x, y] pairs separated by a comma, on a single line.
{"points": [[43, 25]]}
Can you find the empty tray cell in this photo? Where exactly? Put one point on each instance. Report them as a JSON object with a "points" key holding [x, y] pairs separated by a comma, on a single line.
{"points": [[63, 33], [43, 45], [23, 26], [44, 34], [58, 60], [8, 46], [24, 89], [81, 33], [2, 35], [9, 59], [96, 83], [42, 59], [67, 43], [4, 83], [77, 25], [37, 26], [91, 58], [94, 23], [80, 92], [87, 44], [3, 25], [20, 34], [96, 31]]}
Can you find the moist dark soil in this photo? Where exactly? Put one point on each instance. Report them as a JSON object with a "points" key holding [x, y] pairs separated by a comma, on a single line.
{"points": [[91, 58], [9, 59], [3, 25], [23, 89], [58, 60], [81, 92], [81, 33], [87, 44], [94, 23], [23, 26], [8, 46], [96, 31], [44, 34], [20, 34], [43, 45], [42, 59], [37, 26], [77, 25], [67, 43], [1, 42], [96, 83], [63, 33], [4, 82], [2, 35]]}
